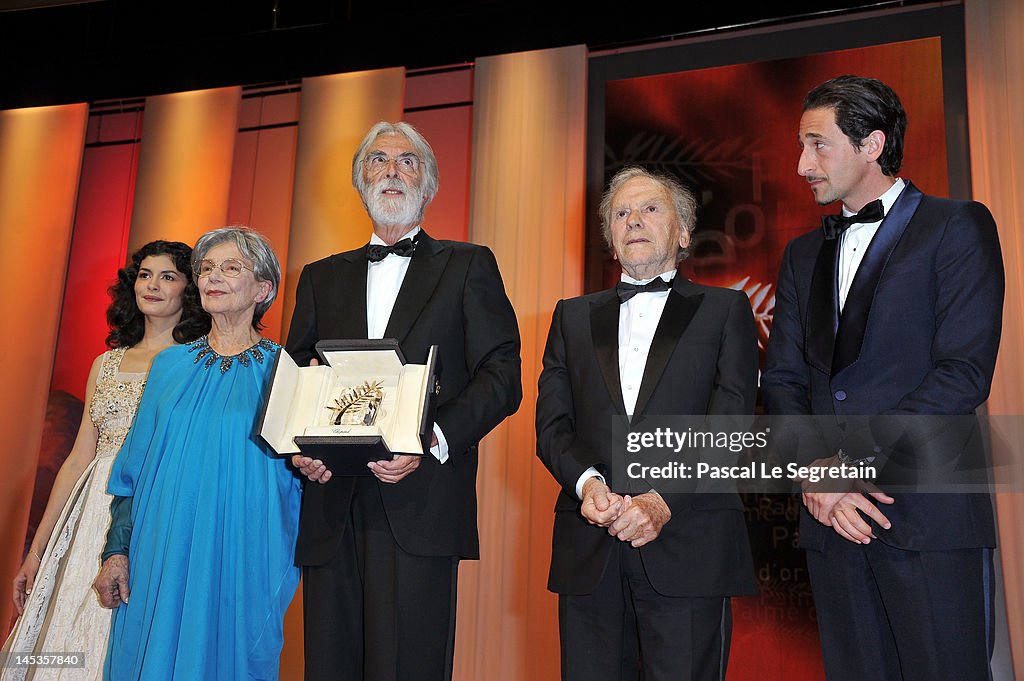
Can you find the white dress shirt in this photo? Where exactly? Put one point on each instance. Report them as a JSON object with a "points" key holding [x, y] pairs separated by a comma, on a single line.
{"points": [[383, 281], [856, 239], [638, 320]]}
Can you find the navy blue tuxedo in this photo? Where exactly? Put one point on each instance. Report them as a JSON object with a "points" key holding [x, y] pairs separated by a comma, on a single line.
{"points": [[918, 335]]}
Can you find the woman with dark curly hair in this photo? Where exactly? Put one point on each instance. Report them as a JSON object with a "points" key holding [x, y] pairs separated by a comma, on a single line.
{"points": [[155, 305], [126, 319]]}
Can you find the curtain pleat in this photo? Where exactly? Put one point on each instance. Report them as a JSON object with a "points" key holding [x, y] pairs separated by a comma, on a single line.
{"points": [[527, 203], [40, 162], [995, 99]]}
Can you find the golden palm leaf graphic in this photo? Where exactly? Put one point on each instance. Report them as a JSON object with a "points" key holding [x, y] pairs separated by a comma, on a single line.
{"points": [[762, 302], [359, 398]]}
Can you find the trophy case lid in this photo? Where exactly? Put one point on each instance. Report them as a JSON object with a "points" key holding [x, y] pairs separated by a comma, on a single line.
{"points": [[362, 356]]}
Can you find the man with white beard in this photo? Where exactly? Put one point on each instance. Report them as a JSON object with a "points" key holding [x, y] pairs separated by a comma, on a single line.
{"points": [[380, 552]]}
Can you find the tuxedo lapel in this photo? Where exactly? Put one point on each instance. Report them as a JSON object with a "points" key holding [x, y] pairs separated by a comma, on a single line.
{"points": [[677, 315], [822, 310], [853, 322], [604, 329], [350, 277], [425, 270]]}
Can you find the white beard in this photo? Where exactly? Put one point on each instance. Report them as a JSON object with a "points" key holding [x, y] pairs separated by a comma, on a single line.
{"points": [[387, 209]]}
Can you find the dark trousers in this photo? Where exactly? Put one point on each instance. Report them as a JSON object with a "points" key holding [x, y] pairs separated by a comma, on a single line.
{"points": [[888, 614], [375, 612], [625, 627]]}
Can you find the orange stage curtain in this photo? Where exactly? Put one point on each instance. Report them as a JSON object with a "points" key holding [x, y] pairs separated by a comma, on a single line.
{"points": [[327, 213], [40, 161], [261, 180], [185, 158], [527, 202], [995, 98]]}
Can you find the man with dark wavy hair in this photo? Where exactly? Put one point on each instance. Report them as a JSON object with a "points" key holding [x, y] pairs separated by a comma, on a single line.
{"points": [[893, 308]]}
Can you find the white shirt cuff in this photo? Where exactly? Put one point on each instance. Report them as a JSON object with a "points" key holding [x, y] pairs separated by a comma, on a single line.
{"points": [[440, 450], [587, 475]]}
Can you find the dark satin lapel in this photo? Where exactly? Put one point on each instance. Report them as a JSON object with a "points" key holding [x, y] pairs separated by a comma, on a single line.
{"points": [[854, 320], [820, 334], [677, 315], [350, 280], [425, 270], [604, 329]]}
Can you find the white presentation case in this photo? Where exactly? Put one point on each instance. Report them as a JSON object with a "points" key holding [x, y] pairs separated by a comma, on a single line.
{"points": [[297, 419]]}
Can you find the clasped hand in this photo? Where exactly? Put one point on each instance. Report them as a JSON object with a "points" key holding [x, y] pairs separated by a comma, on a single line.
{"points": [[839, 503], [637, 520]]}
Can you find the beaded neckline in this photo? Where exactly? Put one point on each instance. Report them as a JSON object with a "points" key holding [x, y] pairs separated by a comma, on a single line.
{"points": [[201, 346]]}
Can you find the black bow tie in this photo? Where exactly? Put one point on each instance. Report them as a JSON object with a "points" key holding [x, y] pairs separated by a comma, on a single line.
{"points": [[834, 225], [403, 248], [626, 290]]}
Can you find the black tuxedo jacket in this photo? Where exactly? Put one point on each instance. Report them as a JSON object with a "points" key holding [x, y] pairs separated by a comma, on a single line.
{"points": [[703, 360], [453, 297], [918, 335]]}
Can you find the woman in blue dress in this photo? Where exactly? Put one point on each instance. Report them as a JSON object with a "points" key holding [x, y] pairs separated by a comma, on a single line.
{"points": [[199, 560]]}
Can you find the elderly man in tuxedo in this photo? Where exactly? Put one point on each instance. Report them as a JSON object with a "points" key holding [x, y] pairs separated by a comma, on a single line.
{"points": [[893, 308], [652, 569], [380, 552]]}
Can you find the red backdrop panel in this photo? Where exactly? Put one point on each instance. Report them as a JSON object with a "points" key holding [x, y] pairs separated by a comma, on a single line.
{"points": [[440, 105], [98, 245], [449, 132]]}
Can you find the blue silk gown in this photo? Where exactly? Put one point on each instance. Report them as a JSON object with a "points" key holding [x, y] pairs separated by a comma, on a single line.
{"points": [[214, 517]]}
